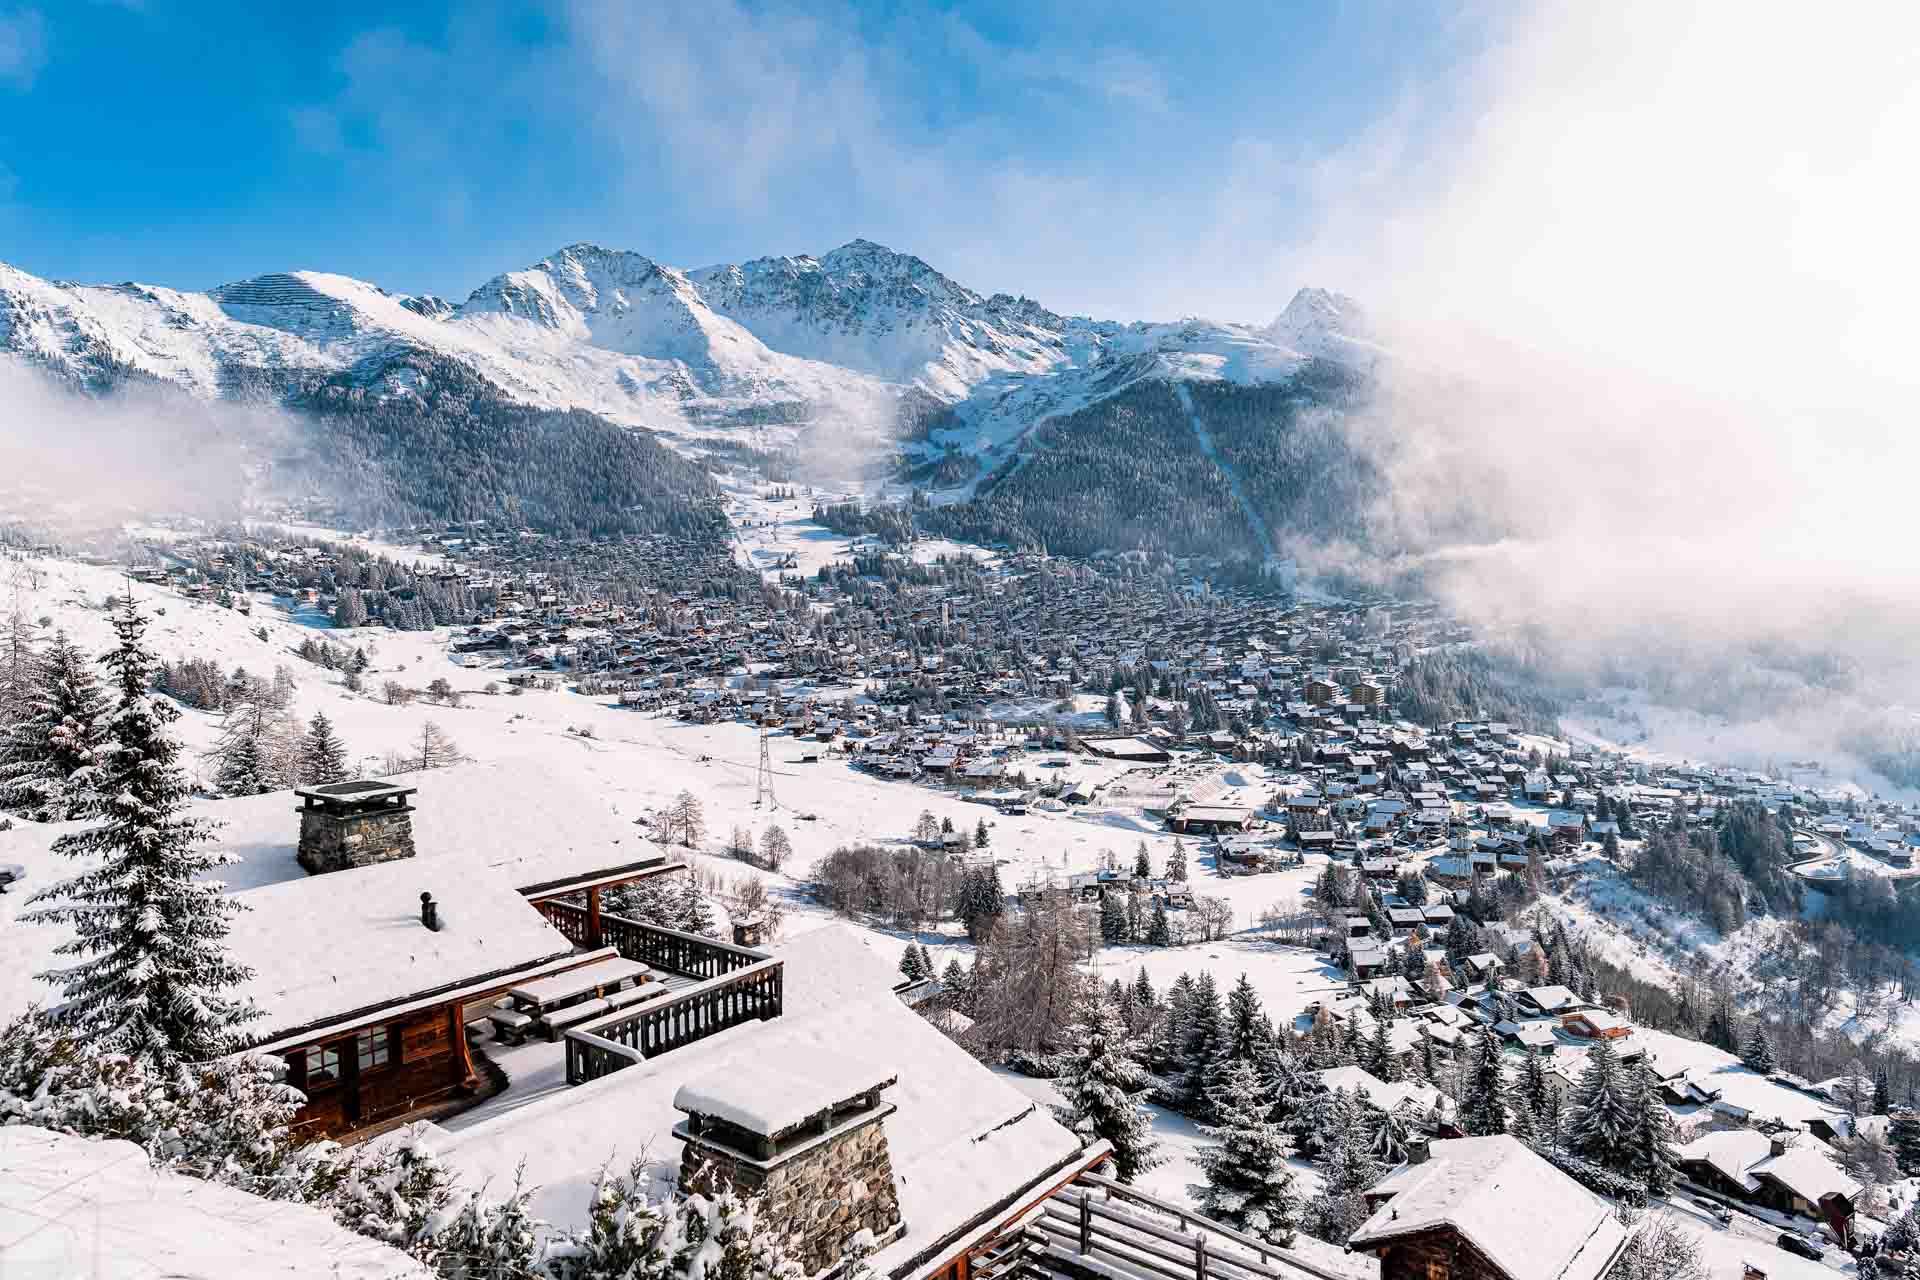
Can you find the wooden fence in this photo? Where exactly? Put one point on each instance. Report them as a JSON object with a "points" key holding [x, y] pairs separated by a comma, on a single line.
{"points": [[1091, 1218], [673, 950], [627, 1036]]}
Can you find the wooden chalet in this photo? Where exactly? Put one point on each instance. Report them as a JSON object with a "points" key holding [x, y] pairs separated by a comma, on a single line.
{"points": [[1475, 1209]]}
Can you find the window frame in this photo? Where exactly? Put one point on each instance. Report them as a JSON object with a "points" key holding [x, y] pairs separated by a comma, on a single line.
{"points": [[372, 1041], [313, 1063]]}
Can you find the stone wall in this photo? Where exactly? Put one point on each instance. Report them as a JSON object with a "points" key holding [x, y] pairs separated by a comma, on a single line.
{"points": [[816, 1199], [332, 842]]}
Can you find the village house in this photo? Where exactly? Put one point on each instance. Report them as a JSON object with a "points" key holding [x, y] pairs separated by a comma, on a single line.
{"points": [[1487, 1209], [378, 931], [1774, 1171]]}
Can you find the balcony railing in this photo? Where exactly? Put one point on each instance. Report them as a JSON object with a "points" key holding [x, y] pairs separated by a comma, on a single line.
{"points": [[735, 985], [691, 955], [628, 1036]]}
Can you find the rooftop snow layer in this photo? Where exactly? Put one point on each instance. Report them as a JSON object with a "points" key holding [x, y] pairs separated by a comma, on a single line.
{"points": [[1496, 1192], [330, 945], [769, 1098], [511, 825], [960, 1139]]}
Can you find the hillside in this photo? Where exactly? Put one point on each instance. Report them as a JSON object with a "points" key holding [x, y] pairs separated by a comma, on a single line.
{"points": [[841, 365]]}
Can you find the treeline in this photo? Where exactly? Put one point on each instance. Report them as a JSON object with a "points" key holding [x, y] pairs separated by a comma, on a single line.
{"points": [[1129, 473], [1289, 447], [1124, 474], [455, 451], [1446, 685]]}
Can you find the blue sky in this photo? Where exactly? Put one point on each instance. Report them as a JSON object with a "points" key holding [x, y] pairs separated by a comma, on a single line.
{"points": [[1120, 159]]}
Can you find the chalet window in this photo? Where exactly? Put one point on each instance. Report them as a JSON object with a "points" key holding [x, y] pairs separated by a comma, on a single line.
{"points": [[323, 1065], [375, 1048]]}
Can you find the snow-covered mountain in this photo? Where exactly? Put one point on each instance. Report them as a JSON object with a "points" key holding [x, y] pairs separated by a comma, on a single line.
{"points": [[646, 344]]}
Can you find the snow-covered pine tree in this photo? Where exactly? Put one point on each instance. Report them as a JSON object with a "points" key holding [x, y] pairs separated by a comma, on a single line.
{"points": [[1249, 1184], [911, 966], [1142, 868], [1167, 1054], [51, 733], [1757, 1053], [1177, 862], [1144, 996], [1533, 1084], [1391, 1134], [151, 977], [1381, 1060], [1903, 1135], [492, 1239], [1159, 930], [1246, 1029], [1113, 919], [240, 769], [1656, 1161], [695, 915], [1522, 1123], [1483, 1101], [323, 756], [1604, 1115], [1099, 1087], [1205, 1044], [1347, 1170]]}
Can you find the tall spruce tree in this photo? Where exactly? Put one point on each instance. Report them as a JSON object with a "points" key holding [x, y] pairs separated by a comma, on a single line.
{"points": [[1903, 1135], [323, 756], [1249, 1184], [150, 976], [1205, 1045], [1655, 1159], [1159, 929], [1246, 1028], [1099, 1086], [51, 733], [1483, 1101], [1757, 1053], [1602, 1122]]}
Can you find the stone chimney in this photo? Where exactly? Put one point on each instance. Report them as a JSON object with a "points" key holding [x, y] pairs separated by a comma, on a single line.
{"points": [[808, 1138], [1418, 1149], [1777, 1145], [354, 824]]}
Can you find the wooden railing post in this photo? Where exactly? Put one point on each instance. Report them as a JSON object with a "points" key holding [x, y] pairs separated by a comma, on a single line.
{"points": [[1200, 1257], [1086, 1223]]}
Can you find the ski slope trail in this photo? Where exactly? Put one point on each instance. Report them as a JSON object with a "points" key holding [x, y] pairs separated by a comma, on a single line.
{"points": [[1254, 521]]}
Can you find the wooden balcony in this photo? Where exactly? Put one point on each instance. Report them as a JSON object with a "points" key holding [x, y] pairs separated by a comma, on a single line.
{"points": [[707, 987]]}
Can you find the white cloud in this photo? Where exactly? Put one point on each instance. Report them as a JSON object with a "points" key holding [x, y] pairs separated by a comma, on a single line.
{"points": [[1651, 279], [23, 47]]}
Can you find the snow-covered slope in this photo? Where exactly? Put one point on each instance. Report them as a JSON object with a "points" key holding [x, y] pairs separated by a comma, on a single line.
{"points": [[1326, 326], [843, 335], [891, 315]]}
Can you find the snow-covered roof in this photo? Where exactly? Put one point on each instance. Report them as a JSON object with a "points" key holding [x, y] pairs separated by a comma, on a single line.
{"points": [[831, 966], [1496, 1192], [1807, 1172], [1388, 1097], [73, 1206], [328, 946], [1730, 1152], [961, 1139], [514, 824]]}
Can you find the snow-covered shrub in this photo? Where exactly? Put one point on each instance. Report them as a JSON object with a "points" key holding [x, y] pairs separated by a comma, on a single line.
{"points": [[494, 1239], [713, 1233], [394, 1190]]}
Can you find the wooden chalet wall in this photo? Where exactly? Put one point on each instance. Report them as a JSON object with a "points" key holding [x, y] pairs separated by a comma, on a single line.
{"points": [[1440, 1254], [426, 1064]]}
